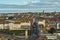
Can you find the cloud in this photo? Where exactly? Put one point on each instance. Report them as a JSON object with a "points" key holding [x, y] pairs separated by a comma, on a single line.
{"points": [[24, 3], [35, 1], [52, 2]]}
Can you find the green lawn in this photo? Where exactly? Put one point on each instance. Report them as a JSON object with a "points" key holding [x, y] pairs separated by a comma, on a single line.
{"points": [[29, 32], [17, 32]]}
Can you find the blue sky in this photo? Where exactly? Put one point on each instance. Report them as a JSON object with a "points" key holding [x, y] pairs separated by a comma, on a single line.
{"points": [[31, 5], [27, 1], [17, 2], [13, 1]]}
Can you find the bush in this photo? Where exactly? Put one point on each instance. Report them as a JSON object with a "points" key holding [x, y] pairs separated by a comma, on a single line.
{"points": [[52, 30]]}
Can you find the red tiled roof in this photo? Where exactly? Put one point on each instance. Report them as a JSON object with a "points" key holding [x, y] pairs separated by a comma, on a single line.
{"points": [[54, 19]]}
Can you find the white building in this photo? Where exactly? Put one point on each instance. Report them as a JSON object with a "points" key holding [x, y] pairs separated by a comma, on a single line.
{"points": [[1, 26], [6, 26], [13, 26], [16, 26], [26, 26]]}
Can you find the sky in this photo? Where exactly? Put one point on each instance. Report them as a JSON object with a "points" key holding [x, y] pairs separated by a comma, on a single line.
{"points": [[27, 1], [14, 1], [47, 5]]}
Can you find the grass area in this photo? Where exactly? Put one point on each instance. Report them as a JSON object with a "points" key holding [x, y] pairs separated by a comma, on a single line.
{"points": [[17, 32], [29, 32]]}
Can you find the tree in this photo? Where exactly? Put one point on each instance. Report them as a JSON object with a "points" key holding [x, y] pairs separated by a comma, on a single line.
{"points": [[11, 17], [52, 30]]}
